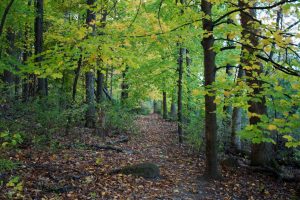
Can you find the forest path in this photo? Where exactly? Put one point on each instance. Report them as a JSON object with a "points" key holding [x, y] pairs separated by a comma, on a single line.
{"points": [[70, 167], [158, 143]]}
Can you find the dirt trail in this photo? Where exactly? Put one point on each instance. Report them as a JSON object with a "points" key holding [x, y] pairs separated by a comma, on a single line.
{"points": [[158, 143], [75, 171]]}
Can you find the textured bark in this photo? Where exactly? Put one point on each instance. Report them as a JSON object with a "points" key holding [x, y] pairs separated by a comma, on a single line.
{"points": [[124, 86], [89, 79], [90, 96], [182, 52], [100, 86], [111, 81], [165, 109], [261, 154], [77, 73], [236, 122], [100, 76], [188, 67], [38, 45], [8, 76], [173, 105], [211, 170]]}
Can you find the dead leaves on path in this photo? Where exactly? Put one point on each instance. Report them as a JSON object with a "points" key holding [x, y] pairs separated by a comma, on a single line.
{"points": [[80, 172]]}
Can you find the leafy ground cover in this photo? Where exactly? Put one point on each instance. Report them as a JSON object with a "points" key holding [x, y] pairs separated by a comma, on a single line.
{"points": [[76, 169]]}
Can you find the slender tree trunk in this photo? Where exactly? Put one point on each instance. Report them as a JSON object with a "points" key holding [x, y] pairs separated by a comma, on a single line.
{"points": [[8, 76], [77, 74], [261, 154], [4, 16], [210, 106], [124, 86], [165, 109], [89, 77], [188, 67], [173, 105], [111, 81], [38, 29], [179, 94]]}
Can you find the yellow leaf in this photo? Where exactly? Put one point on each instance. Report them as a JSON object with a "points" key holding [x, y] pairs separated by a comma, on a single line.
{"points": [[272, 127]]}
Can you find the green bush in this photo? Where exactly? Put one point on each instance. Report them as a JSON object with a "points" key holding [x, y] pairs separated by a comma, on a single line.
{"points": [[118, 119], [193, 132], [6, 165], [10, 140]]}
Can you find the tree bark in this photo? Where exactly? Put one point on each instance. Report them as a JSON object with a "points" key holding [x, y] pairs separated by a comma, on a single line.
{"points": [[210, 106], [188, 67], [100, 86], [261, 154], [77, 74], [179, 94], [235, 141], [89, 78], [38, 29], [165, 109], [124, 86]]}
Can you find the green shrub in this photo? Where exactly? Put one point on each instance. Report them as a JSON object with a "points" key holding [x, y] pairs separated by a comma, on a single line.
{"points": [[10, 140], [6, 165], [193, 133], [118, 119]]}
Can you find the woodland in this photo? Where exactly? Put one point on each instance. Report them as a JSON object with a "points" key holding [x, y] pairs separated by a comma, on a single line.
{"points": [[150, 99]]}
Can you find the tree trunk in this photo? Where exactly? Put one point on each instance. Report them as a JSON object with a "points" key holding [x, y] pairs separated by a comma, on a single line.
{"points": [[179, 94], [235, 141], [210, 106], [89, 78], [111, 82], [77, 74], [90, 96], [124, 86], [100, 86], [173, 105], [3, 19], [188, 67], [165, 109], [261, 154], [38, 29]]}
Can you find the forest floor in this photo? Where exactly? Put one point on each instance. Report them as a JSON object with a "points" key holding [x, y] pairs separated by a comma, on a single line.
{"points": [[76, 171]]}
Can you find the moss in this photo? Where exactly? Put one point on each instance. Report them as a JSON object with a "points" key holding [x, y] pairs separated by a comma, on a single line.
{"points": [[145, 170]]}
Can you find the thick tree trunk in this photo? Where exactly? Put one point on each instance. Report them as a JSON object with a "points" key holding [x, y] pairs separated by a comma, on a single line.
{"points": [[89, 78], [261, 154], [90, 100], [165, 109], [38, 29], [182, 52], [100, 86], [236, 122], [210, 106]]}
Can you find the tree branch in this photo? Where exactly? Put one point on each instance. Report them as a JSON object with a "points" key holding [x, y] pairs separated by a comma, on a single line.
{"points": [[5, 15], [254, 8]]}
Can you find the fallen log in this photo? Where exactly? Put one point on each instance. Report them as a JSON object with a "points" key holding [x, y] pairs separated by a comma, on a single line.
{"points": [[122, 139]]}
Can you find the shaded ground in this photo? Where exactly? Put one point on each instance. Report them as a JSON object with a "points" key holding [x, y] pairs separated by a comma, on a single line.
{"points": [[75, 171]]}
